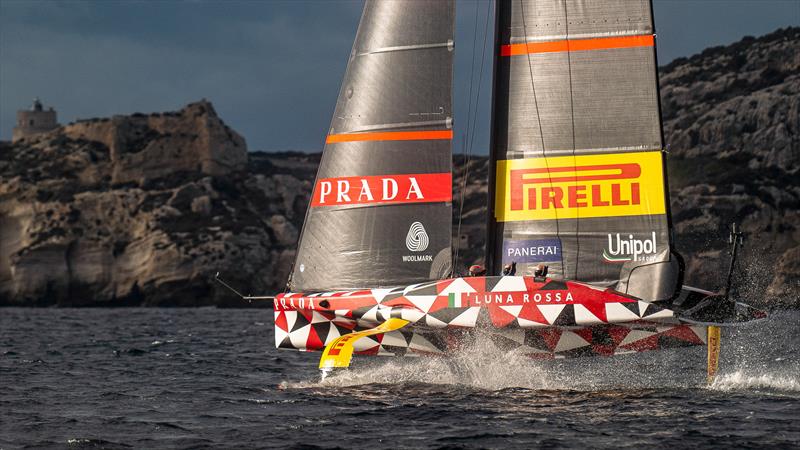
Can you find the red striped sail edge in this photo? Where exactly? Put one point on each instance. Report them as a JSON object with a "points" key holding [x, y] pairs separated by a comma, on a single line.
{"points": [[391, 136], [575, 45]]}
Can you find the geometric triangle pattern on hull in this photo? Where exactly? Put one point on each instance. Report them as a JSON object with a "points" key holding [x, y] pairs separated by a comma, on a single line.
{"points": [[540, 343], [435, 309], [606, 340]]}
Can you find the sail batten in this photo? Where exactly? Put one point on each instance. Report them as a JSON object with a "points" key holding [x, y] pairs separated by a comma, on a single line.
{"points": [[400, 48], [447, 123]]}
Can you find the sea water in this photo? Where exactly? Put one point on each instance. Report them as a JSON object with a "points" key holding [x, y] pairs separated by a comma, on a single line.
{"points": [[212, 378]]}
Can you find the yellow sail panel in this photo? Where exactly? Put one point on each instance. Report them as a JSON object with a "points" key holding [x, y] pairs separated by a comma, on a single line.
{"points": [[571, 187]]}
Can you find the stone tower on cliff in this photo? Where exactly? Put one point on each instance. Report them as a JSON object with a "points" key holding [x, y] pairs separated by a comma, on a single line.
{"points": [[34, 121]]}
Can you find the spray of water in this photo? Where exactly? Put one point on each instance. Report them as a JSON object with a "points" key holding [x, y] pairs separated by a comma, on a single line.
{"points": [[478, 364], [741, 380], [756, 357]]}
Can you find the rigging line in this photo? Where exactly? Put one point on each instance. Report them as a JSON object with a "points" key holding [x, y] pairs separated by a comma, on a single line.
{"points": [[461, 205], [539, 119], [464, 136], [475, 120], [574, 160], [472, 69], [480, 78]]}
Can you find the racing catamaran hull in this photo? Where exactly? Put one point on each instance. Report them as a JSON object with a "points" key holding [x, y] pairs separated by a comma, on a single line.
{"points": [[541, 317]]}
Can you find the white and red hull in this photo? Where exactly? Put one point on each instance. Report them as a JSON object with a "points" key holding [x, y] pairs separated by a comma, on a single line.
{"points": [[549, 318]]}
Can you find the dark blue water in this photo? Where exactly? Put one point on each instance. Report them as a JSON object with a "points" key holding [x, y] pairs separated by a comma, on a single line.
{"points": [[201, 378]]}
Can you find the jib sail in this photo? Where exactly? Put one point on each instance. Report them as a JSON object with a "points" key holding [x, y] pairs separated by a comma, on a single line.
{"points": [[381, 210], [579, 176]]}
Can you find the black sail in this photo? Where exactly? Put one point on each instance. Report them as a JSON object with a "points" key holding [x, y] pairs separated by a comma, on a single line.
{"points": [[381, 210], [579, 180]]}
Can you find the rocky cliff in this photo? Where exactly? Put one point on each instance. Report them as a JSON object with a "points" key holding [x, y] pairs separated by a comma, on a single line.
{"points": [[732, 125], [144, 209]]}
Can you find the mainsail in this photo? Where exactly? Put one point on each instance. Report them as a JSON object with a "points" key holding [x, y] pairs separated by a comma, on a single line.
{"points": [[578, 172], [381, 209]]}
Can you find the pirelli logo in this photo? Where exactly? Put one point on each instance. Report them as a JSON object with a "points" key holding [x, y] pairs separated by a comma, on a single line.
{"points": [[567, 187]]}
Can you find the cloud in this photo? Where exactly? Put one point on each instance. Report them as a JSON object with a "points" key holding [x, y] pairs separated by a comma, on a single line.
{"points": [[272, 69], [268, 76]]}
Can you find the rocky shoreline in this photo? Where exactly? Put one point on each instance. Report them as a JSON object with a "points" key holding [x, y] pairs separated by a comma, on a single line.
{"points": [[144, 209]]}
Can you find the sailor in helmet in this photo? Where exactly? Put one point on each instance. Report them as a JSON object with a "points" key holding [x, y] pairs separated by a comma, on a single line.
{"points": [[476, 270]]}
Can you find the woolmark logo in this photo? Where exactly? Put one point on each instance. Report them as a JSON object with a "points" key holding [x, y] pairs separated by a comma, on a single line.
{"points": [[417, 238], [622, 250]]}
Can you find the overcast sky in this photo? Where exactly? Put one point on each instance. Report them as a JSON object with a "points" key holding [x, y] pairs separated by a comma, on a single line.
{"points": [[271, 68]]}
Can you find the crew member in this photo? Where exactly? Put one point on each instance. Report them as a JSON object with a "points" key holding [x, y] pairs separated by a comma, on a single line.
{"points": [[510, 269], [477, 270]]}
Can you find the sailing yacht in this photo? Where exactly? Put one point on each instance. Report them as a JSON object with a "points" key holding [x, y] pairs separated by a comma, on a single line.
{"points": [[578, 209]]}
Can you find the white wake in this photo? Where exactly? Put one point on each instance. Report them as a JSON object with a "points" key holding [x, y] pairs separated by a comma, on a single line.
{"points": [[740, 380]]}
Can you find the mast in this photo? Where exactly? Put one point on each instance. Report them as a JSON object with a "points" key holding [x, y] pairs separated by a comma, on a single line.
{"points": [[381, 208], [579, 175], [491, 229]]}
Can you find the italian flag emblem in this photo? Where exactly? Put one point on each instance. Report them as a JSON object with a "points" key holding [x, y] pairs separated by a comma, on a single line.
{"points": [[454, 300]]}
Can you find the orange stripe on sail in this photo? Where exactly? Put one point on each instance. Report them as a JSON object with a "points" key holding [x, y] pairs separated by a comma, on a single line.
{"points": [[577, 45], [391, 136]]}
